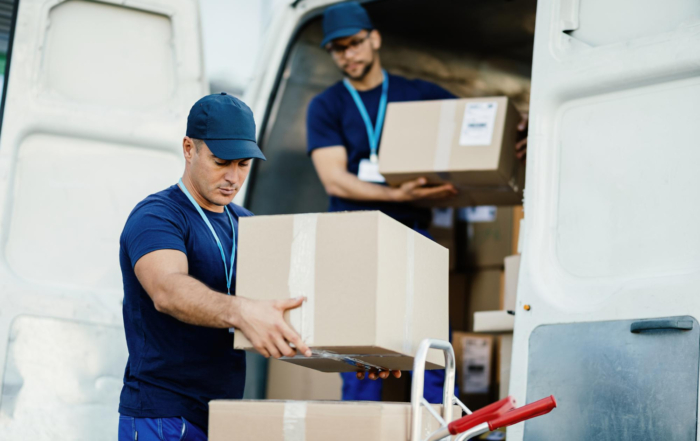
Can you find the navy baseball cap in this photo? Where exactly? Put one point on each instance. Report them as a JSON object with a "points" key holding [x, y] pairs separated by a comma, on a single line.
{"points": [[227, 126], [344, 20]]}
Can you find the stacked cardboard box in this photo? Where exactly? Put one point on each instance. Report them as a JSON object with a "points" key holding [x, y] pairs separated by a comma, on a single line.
{"points": [[245, 420]]}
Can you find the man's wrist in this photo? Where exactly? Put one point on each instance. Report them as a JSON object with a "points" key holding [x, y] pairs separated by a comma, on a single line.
{"points": [[234, 317]]}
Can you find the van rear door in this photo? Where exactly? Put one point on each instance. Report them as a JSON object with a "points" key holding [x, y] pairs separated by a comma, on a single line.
{"points": [[611, 238], [94, 113]]}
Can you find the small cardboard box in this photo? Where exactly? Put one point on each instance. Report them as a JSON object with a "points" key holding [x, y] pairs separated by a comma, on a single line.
{"points": [[468, 142], [245, 420], [375, 288]]}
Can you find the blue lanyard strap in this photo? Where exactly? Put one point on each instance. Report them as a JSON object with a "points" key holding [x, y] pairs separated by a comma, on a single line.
{"points": [[228, 271], [372, 133]]}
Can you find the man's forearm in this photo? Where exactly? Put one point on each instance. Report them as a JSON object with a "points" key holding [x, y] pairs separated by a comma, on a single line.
{"points": [[348, 186], [190, 301]]}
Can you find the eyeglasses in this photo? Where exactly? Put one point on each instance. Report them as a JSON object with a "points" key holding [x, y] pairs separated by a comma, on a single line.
{"points": [[338, 50]]}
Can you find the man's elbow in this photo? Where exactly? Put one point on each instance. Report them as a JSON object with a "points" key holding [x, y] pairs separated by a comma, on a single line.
{"points": [[333, 189], [161, 303]]}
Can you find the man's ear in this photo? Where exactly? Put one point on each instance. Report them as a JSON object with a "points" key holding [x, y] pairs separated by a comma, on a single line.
{"points": [[188, 148], [376, 39]]}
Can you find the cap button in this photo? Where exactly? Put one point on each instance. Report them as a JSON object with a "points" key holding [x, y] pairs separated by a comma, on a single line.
{"points": [[223, 93]]}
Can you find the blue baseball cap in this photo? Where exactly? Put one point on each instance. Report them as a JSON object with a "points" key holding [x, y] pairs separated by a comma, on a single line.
{"points": [[344, 20], [227, 126]]}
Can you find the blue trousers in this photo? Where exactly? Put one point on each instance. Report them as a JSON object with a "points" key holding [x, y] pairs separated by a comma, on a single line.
{"points": [[158, 429], [371, 390]]}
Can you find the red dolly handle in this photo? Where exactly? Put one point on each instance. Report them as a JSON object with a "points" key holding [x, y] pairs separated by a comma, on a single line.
{"points": [[490, 412], [532, 410]]}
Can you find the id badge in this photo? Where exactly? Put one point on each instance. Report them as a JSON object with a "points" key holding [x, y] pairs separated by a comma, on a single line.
{"points": [[369, 172]]}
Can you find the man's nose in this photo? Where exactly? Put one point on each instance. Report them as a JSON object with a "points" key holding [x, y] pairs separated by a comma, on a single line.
{"points": [[232, 174]]}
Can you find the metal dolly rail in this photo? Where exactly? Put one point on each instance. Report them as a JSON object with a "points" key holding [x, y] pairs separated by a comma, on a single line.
{"points": [[500, 414]]}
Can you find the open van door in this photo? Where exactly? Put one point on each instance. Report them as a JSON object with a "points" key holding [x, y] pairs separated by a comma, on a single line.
{"points": [[95, 108], [611, 244]]}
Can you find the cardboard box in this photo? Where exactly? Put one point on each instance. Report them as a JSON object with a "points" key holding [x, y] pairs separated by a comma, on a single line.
{"points": [[474, 354], [484, 293], [375, 288], [493, 322], [459, 301], [468, 142], [489, 243], [286, 381], [245, 420]]}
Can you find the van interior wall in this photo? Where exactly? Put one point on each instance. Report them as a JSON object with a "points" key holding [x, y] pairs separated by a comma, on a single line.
{"points": [[472, 48]]}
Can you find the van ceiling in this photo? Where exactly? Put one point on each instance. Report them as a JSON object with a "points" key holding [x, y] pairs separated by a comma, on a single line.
{"points": [[503, 28]]}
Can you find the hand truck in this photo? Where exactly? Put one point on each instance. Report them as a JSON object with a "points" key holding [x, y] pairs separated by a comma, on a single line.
{"points": [[500, 414]]}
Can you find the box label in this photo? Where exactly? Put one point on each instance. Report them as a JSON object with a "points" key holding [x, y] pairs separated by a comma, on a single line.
{"points": [[478, 123], [476, 365]]}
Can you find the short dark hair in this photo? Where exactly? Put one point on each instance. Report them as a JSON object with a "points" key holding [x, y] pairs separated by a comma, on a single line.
{"points": [[198, 143]]}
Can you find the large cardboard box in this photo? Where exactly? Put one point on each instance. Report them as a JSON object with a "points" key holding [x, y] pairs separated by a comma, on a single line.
{"points": [[484, 293], [246, 420], [286, 381], [468, 142], [512, 273], [375, 288]]}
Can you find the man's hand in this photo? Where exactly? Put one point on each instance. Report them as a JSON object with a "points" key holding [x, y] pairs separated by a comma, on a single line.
{"points": [[373, 374], [415, 190], [262, 321], [521, 145]]}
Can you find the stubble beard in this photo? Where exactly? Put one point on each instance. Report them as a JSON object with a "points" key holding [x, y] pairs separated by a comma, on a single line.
{"points": [[364, 72]]}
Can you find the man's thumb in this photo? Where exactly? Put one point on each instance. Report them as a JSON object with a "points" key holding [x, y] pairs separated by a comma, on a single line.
{"points": [[292, 303]]}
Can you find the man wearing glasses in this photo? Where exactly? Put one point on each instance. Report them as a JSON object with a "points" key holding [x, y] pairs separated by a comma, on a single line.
{"points": [[344, 125]]}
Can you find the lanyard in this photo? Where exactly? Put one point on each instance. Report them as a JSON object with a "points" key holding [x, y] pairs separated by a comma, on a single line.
{"points": [[372, 133], [228, 272]]}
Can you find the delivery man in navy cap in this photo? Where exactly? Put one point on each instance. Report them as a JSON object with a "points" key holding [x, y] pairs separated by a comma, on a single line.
{"points": [[178, 262], [344, 125]]}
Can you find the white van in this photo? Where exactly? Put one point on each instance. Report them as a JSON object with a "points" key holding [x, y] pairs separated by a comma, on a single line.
{"points": [[610, 243], [93, 114]]}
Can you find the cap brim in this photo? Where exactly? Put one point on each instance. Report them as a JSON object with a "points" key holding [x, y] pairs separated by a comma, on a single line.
{"points": [[340, 33], [232, 149]]}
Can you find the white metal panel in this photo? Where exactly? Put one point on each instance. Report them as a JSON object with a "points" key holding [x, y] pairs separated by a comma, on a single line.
{"points": [[78, 149], [611, 211]]}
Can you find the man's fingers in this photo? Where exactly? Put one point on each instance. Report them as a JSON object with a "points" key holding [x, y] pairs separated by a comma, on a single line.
{"points": [[384, 375], [522, 125], [284, 348], [272, 349], [396, 374], [412, 185], [521, 144], [360, 375], [294, 338]]}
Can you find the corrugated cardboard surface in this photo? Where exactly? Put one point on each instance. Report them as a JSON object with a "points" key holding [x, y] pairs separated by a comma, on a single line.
{"points": [[505, 344], [416, 133], [286, 381], [247, 420], [374, 282], [488, 243]]}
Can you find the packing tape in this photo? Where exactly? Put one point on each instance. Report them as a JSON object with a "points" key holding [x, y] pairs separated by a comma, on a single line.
{"points": [[410, 291], [302, 274], [294, 421], [445, 135]]}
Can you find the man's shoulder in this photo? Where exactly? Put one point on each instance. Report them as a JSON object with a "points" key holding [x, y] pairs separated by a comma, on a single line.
{"points": [[163, 203], [240, 211], [330, 95]]}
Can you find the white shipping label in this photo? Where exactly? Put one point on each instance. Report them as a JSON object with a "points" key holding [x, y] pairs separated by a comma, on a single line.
{"points": [[369, 172], [476, 365], [478, 123]]}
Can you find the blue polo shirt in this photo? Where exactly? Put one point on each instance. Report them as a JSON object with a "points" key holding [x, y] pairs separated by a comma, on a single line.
{"points": [[174, 368], [333, 119]]}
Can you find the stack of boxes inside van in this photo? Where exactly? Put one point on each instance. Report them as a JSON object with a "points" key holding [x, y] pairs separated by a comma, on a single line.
{"points": [[375, 288]]}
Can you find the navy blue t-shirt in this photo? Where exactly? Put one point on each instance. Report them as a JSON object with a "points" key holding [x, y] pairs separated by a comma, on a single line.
{"points": [[174, 368], [333, 119]]}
